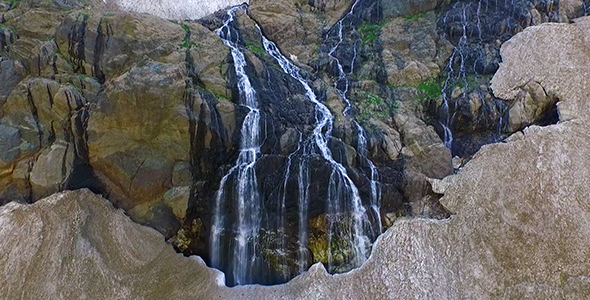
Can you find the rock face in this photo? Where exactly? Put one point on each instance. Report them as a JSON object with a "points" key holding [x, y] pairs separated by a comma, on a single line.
{"points": [[519, 228], [297, 26], [74, 107], [143, 111], [404, 8], [477, 29]]}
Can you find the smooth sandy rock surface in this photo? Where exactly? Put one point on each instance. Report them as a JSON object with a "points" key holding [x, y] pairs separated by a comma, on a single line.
{"points": [[174, 9], [520, 227], [75, 245]]}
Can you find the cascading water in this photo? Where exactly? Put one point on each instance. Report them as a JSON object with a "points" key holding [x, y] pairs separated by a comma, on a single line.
{"points": [[453, 77], [255, 229], [244, 197], [473, 26], [375, 204], [342, 86], [343, 201]]}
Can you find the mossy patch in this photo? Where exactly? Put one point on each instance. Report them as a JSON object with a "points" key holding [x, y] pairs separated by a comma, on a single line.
{"points": [[370, 32], [417, 16], [186, 41], [255, 48], [373, 106], [431, 88]]}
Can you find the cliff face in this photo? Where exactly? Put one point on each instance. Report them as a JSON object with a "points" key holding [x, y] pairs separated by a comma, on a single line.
{"points": [[147, 112], [519, 225]]}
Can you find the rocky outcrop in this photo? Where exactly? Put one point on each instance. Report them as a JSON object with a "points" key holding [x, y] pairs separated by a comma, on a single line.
{"points": [[75, 111], [297, 26], [67, 248], [405, 8], [519, 227], [477, 29], [143, 111], [413, 51]]}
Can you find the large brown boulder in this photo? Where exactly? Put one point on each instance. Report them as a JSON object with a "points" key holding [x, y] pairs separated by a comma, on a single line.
{"points": [[77, 245], [102, 99], [296, 26], [412, 49]]}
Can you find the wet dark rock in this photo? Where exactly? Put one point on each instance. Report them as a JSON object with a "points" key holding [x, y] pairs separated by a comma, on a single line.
{"points": [[405, 8], [9, 143], [11, 73]]}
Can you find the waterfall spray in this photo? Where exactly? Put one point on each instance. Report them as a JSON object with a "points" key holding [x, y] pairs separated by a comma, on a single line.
{"points": [[245, 196], [342, 192]]}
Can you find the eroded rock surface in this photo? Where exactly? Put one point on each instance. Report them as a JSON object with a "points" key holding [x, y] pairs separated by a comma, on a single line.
{"points": [[75, 245]]}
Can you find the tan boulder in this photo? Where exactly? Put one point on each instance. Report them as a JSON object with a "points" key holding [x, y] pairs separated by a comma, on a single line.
{"points": [[177, 199], [140, 129], [296, 26], [530, 105], [424, 147], [412, 49], [51, 169], [41, 110], [391, 141]]}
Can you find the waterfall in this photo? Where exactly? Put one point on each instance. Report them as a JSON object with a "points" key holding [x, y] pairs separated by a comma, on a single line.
{"points": [[375, 204], [245, 219], [282, 211], [342, 85], [342, 75], [343, 195], [453, 76], [245, 196]]}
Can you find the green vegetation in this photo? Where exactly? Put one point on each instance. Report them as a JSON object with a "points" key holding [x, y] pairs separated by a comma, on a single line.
{"points": [[416, 16], [186, 41], [12, 3], [255, 48], [373, 99], [370, 32], [431, 88], [471, 82], [109, 15], [373, 106]]}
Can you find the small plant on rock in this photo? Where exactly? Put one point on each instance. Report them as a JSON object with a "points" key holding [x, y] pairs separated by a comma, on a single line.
{"points": [[370, 32], [255, 48]]}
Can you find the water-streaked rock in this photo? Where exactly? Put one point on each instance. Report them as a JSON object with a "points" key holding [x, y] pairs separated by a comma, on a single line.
{"points": [[520, 227]]}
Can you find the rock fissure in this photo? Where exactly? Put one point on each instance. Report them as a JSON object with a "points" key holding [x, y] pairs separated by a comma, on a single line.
{"points": [[76, 47], [34, 113]]}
